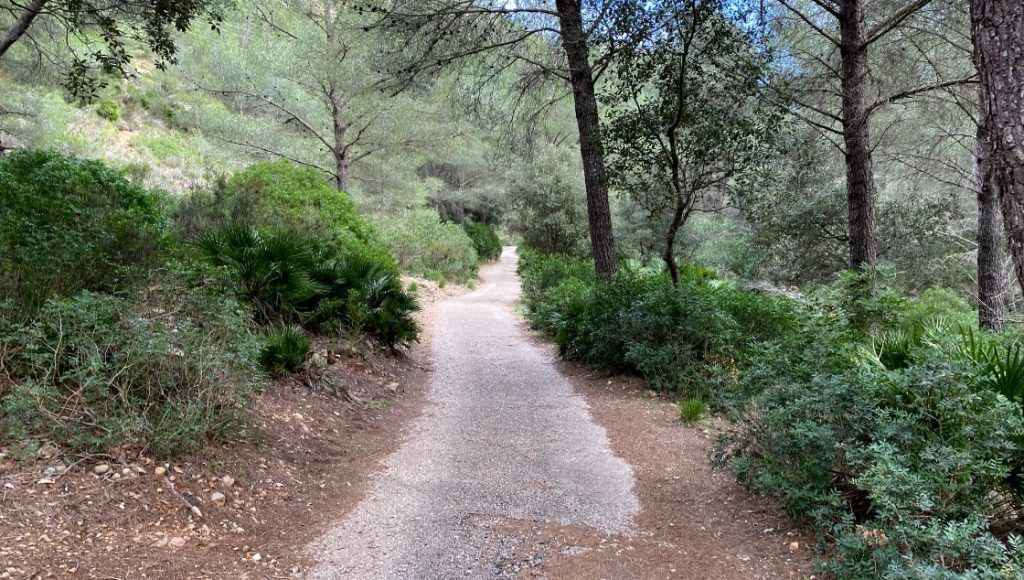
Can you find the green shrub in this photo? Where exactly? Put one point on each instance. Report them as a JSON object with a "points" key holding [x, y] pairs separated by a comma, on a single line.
{"points": [[166, 372], [109, 110], [291, 277], [691, 410], [285, 350], [425, 246], [485, 240], [281, 194], [68, 225], [899, 470]]}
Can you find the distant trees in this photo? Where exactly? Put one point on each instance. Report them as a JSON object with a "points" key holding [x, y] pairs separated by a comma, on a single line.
{"points": [[313, 71], [441, 32], [997, 28], [98, 34]]}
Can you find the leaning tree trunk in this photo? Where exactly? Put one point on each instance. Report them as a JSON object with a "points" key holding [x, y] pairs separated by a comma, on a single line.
{"points": [[860, 181], [997, 27], [21, 25], [992, 282], [599, 215]]}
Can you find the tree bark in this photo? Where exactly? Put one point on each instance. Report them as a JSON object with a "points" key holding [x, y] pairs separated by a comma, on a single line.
{"points": [[997, 28], [21, 25], [860, 182], [992, 281], [599, 215], [342, 160]]}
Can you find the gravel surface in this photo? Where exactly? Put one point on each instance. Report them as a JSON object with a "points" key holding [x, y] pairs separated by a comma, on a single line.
{"points": [[506, 440]]}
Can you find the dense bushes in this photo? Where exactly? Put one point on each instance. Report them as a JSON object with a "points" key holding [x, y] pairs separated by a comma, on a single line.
{"points": [[888, 422], [113, 335], [68, 225], [282, 195], [485, 240], [428, 247], [294, 278], [167, 371]]}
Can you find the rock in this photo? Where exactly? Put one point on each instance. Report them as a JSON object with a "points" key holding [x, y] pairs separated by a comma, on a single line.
{"points": [[794, 547], [126, 471], [227, 480], [177, 542], [256, 557], [101, 469], [8, 485], [393, 387], [218, 498], [47, 451], [160, 471]]}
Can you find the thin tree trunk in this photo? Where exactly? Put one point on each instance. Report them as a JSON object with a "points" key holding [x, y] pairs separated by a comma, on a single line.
{"points": [[997, 28], [860, 182], [599, 215], [342, 160], [678, 218], [992, 282], [21, 25]]}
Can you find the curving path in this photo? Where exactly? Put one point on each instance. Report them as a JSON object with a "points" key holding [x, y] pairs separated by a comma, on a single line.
{"points": [[506, 445]]}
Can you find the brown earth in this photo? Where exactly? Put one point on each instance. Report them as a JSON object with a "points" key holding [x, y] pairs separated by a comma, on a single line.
{"points": [[304, 466]]}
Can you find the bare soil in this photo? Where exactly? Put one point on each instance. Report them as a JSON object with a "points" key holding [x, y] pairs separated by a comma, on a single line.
{"points": [[304, 464], [695, 521]]}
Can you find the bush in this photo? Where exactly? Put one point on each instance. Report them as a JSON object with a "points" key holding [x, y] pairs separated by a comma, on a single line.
{"points": [[286, 349], [166, 372], [869, 413], [900, 470], [425, 246], [290, 277], [68, 225], [485, 240], [281, 194], [108, 110]]}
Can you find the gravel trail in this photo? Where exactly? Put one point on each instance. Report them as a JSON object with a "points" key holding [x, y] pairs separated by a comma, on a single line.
{"points": [[505, 445]]}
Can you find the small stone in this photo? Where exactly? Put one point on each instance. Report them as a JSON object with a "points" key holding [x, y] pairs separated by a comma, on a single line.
{"points": [[217, 498], [160, 471], [47, 451], [227, 480], [8, 485], [177, 542], [256, 557], [126, 471], [393, 387], [794, 547], [101, 469]]}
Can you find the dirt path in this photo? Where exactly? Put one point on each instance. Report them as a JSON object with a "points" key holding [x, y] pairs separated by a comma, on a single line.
{"points": [[507, 474]]}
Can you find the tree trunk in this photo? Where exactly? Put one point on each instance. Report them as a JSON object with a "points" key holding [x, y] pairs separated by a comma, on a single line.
{"points": [[992, 282], [340, 151], [21, 25], [670, 242], [997, 28], [860, 181], [599, 215]]}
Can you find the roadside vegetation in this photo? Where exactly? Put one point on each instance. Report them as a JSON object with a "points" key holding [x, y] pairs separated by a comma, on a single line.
{"points": [[800, 220]]}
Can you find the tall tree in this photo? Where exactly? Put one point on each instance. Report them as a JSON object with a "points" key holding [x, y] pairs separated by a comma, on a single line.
{"points": [[851, 29], [992, 282], [97, 34], [686, 115], [997, 28], [310, 70], [520, 34]]}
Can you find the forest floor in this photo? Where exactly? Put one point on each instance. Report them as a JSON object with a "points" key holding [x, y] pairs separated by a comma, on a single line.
{"points": [[479, 455]]}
